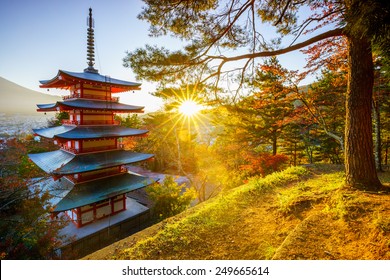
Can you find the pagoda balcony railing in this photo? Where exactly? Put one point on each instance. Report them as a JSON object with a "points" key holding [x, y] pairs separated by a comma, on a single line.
{"points": [[93, 149], [76, 95], [84, 178], [70, 149], [90, 96], [74, 122], [70, 122], [107, 98], [99, 149]]}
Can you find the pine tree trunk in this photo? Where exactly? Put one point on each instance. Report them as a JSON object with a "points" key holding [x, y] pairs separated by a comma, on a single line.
{"points": [[359, 157], [274, 144]]}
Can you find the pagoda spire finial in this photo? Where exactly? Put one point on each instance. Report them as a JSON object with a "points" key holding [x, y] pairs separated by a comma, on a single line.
{"points": [[90, 44]]}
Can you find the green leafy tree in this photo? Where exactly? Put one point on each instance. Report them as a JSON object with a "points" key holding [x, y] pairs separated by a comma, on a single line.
{"points": [[131, 120], [224, 38], [169, 197], [323, 104], [58, 118], [271, 103]]}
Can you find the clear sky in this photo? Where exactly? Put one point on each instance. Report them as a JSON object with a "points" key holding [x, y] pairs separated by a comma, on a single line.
{"points": [[39, 37]]}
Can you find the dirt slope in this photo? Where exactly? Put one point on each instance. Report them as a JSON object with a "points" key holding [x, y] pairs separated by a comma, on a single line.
{"points": [[296, 214]]}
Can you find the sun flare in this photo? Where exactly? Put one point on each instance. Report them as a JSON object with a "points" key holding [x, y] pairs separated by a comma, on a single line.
{"points": [[189, 108]]}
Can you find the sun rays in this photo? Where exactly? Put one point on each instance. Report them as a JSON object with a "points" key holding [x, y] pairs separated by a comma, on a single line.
{"points": [[189, 108], [186, 112]]}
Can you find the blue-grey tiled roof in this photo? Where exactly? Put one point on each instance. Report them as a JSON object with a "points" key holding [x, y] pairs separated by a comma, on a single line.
{"points": [[51, 161], [80, 103], [94, 191], [88, 132], [62, 163], [50, 132], [94, 77], [69, 196]]}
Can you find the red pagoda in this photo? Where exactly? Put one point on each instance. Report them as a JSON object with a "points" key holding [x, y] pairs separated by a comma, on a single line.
{"points": [[89, 179]]}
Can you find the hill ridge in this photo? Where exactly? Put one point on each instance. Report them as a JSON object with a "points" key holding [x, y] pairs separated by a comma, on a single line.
{"points": [[300, 213], [17, 99]]}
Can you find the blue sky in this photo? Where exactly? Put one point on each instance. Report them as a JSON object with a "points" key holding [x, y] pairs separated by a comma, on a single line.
{"points": [[37, 38]]}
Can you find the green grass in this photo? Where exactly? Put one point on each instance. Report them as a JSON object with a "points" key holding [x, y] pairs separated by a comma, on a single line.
{"points": [[302, 212], [212, 216], [309, 192]]}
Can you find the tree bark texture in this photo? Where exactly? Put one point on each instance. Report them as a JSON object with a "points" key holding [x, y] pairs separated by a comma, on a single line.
{"points": [[274, 143], [359, 157]]}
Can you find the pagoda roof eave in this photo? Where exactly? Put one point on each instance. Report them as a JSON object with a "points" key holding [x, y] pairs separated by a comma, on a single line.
{"points": [[66, 79], [60, 162], [88, 132], [51, 132], [68, 195], [80, 103]]}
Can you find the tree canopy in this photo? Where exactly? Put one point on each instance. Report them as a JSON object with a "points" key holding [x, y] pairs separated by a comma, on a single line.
{"points": [[224, 40]]}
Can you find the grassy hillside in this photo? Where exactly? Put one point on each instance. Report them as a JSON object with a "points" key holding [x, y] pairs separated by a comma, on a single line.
{"points": [[300, 213], [17, 99]]}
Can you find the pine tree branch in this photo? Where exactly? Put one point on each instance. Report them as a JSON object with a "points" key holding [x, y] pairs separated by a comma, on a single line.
{"points": [[322, 36]]}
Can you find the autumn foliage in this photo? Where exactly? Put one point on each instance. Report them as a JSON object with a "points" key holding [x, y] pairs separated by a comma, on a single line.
{"points": [[26, 230], [263, 163]]}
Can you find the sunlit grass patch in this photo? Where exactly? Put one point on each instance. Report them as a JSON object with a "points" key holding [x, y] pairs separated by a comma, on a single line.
{"points": [[215, 216], [382, 223], [304, 194], [300, 213], [277, 179]]}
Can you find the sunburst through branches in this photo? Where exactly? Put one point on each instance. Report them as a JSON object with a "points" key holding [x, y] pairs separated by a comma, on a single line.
{"points": [[189, 108], [186, 111]]}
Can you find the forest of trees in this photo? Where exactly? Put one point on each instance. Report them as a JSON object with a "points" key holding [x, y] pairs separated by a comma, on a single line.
{"points": [[225, 40], [277, 124]]}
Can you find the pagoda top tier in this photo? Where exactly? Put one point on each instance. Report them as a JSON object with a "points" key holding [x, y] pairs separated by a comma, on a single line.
{"points": [[66, 80]]}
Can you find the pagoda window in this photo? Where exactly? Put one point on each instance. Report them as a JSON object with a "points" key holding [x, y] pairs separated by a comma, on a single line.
{"points": [[97, 94], [95, 87], [87, 216], [105, 118], [77, 145], [98, 174], [96, 145], [103, 209], [119, 203]]}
